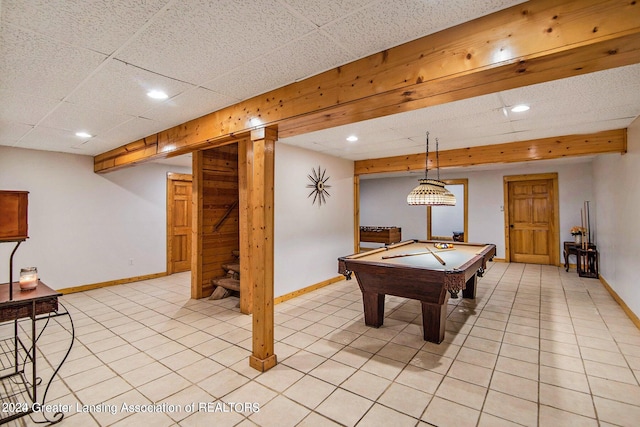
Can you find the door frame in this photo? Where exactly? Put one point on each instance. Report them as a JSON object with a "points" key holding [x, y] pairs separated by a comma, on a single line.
{"points": [[465, 184], [171, 176], [554, 234]]}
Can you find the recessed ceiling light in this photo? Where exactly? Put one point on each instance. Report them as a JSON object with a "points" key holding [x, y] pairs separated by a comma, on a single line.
{"points": [[84, 135], [157, 94], [520, 108], [352, 138]]}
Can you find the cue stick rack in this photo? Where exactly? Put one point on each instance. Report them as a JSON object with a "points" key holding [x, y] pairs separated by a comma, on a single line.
{"points": [[587, 253]]}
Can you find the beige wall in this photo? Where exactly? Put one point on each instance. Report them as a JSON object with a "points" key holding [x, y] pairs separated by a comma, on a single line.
{"points": [[617, 195], [86, 228], [309, 238]]}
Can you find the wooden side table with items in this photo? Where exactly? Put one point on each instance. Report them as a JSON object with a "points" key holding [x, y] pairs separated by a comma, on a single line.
{"points": [[27, 309], [23, 320]]}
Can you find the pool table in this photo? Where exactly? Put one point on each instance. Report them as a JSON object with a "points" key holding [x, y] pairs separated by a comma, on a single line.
{"points": [[408, 269]]}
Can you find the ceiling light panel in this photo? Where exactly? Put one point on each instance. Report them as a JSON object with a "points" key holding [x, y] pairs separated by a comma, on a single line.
{"points": [[157, 94]]}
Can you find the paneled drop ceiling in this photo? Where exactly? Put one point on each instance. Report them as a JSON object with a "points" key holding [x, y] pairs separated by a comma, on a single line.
{"points": [[72, 65]]}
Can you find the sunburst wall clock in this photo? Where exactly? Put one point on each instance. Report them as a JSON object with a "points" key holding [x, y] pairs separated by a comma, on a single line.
{"points": [[319, 186]]}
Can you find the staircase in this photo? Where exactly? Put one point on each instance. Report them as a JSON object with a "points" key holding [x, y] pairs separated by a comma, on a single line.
{"points": [[230, 284]]}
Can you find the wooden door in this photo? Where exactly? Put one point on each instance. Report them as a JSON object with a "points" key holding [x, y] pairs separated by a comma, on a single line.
{"points": [[178, 223], [532, 219]]}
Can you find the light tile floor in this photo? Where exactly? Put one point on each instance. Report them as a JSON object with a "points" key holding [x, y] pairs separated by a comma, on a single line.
{"points": [[538, 347]]}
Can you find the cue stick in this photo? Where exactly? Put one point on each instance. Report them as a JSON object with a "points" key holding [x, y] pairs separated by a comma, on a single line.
{"points": [[429, 251], [403, 255], [581, 261], [365, 253], [588, 223], [581, 224], [436, 256]]}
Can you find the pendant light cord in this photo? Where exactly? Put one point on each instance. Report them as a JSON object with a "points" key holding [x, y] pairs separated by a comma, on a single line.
{"points": [[426, 160], [437, 159]]}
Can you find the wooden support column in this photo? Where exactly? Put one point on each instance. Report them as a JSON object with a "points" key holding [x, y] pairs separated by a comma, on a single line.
{"points": [[245, 171], [356, 213], [196, 225], [261, 231]]}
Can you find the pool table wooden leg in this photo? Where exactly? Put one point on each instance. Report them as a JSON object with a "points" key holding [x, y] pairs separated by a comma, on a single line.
{"points": [[434, 320], [373, 308], [470, 288]]}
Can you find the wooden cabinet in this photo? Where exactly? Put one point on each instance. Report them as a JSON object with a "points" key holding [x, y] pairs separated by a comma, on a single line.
{"points": [[386, 235], [13, 215]]}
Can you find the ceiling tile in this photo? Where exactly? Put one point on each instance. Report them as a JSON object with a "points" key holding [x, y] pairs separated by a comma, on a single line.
{"points": [[368, 138], [130, 131], [390, 23], [122, 88], [44, 138], [74, 118], [406, 145], [13, 131], [306, 56], [23, 108], [51, 69], [197, 41], [615, 85], [91, 147], [105, 24], [189, 105], [320, 13]]}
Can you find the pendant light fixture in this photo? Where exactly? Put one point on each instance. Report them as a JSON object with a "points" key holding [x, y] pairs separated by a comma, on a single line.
{"points": [[431, 192]]}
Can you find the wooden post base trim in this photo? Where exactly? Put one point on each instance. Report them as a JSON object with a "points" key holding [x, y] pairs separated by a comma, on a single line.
{"points": [[263, 365], [92, 286], [294, 294], [632, 316]]}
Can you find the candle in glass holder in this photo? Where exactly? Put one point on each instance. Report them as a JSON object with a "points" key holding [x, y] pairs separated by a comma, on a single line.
{"points": [[28, 278]]}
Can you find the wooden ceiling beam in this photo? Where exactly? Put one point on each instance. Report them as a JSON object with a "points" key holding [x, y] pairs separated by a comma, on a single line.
{"points": [[534, 42], [613, 141], [146, 149]]}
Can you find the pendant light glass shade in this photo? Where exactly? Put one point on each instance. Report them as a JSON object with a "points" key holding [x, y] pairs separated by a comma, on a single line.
{"points": [[431, 192]]}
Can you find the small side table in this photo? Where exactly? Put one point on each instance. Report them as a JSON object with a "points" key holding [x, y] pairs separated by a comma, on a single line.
{"points": [[18, 351], [571, 248]]}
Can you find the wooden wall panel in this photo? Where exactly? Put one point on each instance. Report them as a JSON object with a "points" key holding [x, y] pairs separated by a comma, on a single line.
{"points": [[219, 190]]}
